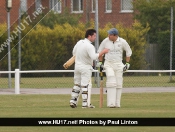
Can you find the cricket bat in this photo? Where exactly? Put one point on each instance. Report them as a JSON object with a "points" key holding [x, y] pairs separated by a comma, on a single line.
{"points": [[101, 88], [69, 62]]}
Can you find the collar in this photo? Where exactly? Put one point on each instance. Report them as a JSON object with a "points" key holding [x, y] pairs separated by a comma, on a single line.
{"points": [[87, 40], [118, 38]]}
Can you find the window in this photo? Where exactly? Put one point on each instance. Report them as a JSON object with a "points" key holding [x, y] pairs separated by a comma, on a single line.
{"points": [[126, 6], [55, 5], [77, 6], [23, 5], [109, 6], [37, 4], [93, 5]]}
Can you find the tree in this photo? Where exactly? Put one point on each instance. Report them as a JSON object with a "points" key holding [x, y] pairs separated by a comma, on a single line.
{"points": [[164, 51], [51, 19], [3, 47], [154, 12]]}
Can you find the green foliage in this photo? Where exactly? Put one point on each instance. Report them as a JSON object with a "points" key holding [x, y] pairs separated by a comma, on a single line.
{"points": [[48, 49], [44, 48], [52, 18], [164, 50], [3, 50], [3, 28], [156, 13]]}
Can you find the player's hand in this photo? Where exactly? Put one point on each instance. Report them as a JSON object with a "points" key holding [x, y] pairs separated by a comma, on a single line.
{"points": [[126, 67], [100, 66], [105, 51]]}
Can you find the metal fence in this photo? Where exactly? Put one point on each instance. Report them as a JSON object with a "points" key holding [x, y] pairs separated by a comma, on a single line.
{"points": [[66, 82], [42, 34]]}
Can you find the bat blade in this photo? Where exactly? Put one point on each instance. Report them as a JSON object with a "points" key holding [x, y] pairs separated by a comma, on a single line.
{"points": [[101, 88], [69, 62], [101, 93]]}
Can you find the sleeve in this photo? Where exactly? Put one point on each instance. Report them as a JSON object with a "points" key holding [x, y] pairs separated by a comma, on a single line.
{"points": [[127, 49], [102, 46], [74, 50], [91, 51]]}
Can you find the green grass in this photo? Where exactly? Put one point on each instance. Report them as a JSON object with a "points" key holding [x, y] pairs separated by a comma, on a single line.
{"points": [[133, 105], [67, 82]]}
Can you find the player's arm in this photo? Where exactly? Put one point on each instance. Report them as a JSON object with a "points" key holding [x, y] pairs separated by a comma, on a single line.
{"points": [[100, 49], [104, 51], [128, 54], [100, 58], [127, 59]]}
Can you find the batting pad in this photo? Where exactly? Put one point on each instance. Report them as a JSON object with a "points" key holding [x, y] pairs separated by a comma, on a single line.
{"points": [[75, 94], [89, 93], [111, 82], [111, 97], [84, 97], [118, 96]]}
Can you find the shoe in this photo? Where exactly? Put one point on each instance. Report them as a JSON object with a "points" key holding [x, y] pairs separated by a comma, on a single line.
{"points": [[73, 105], [84, 107], [112, 106], [91, 106]]}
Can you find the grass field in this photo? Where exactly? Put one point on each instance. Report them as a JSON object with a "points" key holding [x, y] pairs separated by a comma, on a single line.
{"points": [[67, 82], [133, 105]]}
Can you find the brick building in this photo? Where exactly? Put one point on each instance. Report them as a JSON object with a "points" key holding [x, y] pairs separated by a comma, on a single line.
{"points": [[113, 11], [13, 12]]}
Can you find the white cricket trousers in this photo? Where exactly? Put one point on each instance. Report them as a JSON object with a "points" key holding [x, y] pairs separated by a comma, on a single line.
{"points": [[82, 77], [114, 82]]}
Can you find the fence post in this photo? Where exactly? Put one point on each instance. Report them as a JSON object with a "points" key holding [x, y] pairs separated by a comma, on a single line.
{"points": [[17, 88], [171, 43]]}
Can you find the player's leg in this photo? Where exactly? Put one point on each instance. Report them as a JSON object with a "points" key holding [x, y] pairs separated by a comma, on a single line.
{"points": [[85, 79], [119, 80], [111, 87], [84, 96], [74, 95], [89, 95], [118, 97], [75, 90]]}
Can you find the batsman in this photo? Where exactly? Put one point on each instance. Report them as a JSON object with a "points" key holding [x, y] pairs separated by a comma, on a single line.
{"points": [[66, 65], [114, 66], [84, 53]]}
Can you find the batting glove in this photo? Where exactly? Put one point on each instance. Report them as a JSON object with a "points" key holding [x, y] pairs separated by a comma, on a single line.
{"points": [[100, 66], [126, 67]]}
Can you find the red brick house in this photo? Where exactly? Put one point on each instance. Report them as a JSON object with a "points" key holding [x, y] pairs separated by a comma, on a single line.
{"points": [[113, 11], [13, 11]]}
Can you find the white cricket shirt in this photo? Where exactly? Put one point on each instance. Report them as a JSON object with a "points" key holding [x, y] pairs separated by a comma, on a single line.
{"points": [[84, 53], [116, 49]]}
